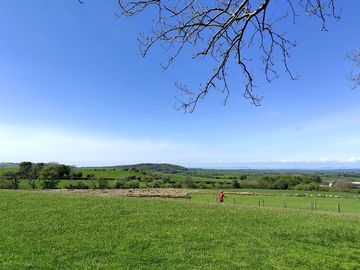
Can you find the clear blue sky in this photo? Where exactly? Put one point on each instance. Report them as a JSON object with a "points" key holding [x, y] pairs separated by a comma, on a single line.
{"points": [[73, 89]]}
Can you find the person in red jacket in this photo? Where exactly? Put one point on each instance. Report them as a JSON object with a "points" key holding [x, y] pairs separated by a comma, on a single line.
{"points": [[221, 197]]}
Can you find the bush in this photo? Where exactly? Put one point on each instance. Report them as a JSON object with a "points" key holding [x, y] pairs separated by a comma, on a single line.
{"points": [[150, 184], [168, 185], [142, 185], [189, 183], [177, 185], [50, 183], [157, 183], [132, 184], [77, 185], [235, 184], [309, 187], [219, 185], [5, 184], [120, 183], [13, 178], [102, 183], [243, 177], [202, 185]]}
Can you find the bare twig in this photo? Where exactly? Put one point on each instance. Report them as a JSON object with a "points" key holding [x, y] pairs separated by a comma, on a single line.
{"points": [[225, 31], [354, 78]]}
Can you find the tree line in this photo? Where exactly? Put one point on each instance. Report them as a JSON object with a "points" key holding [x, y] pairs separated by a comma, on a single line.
{"points": [[50, 174]]}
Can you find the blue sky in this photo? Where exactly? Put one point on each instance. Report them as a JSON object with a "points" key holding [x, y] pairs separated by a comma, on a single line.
{"points": [[73, 89]]}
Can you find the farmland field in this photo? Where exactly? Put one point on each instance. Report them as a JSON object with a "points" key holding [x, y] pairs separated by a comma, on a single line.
{"points": [[43, 230]]}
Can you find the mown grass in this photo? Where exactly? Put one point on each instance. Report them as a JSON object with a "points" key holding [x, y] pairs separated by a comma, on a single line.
{"points": [[40, 230]]}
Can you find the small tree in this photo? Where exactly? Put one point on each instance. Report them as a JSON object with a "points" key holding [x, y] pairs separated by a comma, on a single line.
{"points": [[13, 178], [32, 183], [25, 170], [189, 182], [29, 172], [48, 175]]}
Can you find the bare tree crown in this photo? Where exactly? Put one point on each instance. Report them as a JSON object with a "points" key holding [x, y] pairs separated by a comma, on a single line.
{"points": [[226, 31], [354, 77]]}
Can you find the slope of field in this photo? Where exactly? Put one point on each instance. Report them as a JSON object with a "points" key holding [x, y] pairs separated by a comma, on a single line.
{"points": [[149, 167], [41, 230]]}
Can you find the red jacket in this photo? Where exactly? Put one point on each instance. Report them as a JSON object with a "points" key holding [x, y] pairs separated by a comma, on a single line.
{"points": [[221, 196]]}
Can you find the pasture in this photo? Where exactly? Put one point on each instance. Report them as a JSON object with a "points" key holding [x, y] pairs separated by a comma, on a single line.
{"points": [[45, 230]]}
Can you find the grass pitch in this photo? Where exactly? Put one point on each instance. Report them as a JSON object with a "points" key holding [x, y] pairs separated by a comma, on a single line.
{"points": [[40, 230]]}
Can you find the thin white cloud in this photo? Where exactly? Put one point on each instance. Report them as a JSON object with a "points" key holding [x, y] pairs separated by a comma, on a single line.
{"points": [[311, 147], [18, 144]]}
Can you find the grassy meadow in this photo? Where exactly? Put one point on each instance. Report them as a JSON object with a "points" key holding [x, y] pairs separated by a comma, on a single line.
{"points": [[42, 230]]}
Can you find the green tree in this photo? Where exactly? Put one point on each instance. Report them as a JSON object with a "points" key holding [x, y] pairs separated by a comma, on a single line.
{"points": [[189, 183], [48, 175], [25, 169], [13, 178]]}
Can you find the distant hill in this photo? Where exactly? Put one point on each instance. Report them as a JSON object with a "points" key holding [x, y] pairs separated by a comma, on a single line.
{"points": [[152, 167], [8, 165]]}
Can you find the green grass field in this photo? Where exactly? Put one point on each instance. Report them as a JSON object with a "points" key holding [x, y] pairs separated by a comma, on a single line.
{"points": [[41, 230]]}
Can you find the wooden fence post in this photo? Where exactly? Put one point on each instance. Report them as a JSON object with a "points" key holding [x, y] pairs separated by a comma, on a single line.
{"points": [[338, 208]]}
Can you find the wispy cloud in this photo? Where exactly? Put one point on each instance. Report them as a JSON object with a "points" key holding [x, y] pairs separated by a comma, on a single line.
{"points": [[326, 141], [17, 144]]}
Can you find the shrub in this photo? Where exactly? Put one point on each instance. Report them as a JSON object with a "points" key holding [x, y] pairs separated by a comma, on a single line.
{"points": [[102, 183], [235, 184], [50, 183], [132, 184], [202, 185], [77, 185], [166, 179], [120, 183], [142, 185], [168, 185], [150, 184], [177, 185], [13, 178], [219, 185], [310, 186], [189, 183], [92, 184], [5, 184], [243, 177], [157, 183]]}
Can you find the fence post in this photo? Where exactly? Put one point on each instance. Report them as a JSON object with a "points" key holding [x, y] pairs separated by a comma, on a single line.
{"points": [[338, 208], [314, 206], [258, 202]]}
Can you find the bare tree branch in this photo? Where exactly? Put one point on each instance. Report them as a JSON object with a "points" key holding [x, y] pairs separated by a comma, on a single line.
{"points": [[226, 31], [354, 78]]}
